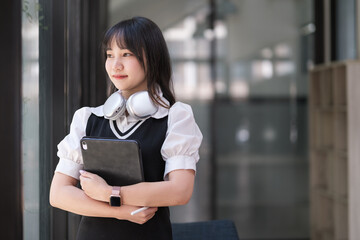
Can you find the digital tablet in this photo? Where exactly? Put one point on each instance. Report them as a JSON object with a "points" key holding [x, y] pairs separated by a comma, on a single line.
{"points": [[117, 161]]}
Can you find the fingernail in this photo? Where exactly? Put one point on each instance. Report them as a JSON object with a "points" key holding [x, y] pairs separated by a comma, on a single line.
{"points": [[81, 171]]}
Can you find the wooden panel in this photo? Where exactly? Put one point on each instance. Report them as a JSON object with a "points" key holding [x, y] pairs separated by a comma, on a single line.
{"points": [[353, 98], [335, 151], [339, 74]]}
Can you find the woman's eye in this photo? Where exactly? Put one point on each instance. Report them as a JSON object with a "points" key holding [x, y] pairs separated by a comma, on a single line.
{"points": [[127, 54], [108, 55]]}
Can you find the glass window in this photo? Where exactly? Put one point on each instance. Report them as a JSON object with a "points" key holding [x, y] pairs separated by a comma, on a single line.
{"points": [[30, 119]]}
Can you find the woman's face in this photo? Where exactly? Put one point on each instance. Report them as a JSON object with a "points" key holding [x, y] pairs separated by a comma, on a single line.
{"points": [[124, 70]]}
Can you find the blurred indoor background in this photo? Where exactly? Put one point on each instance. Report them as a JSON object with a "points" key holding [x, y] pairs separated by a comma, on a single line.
{"points": [[243, 66]]}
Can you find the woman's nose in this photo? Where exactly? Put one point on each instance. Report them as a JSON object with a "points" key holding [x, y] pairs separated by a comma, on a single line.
{"points": [[118, 65]]}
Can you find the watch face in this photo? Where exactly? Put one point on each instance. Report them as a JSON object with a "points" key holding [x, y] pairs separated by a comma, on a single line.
{"points": [[115, 201]]}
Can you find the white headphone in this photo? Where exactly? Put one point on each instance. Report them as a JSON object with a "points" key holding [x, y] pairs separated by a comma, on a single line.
{"points": [[139, 105]]}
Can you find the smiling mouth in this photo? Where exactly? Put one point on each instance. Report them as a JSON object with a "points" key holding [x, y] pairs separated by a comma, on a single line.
{"points": [[120, 76]]}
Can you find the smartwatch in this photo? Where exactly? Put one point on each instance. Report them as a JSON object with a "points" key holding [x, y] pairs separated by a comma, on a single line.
{"points": [[115, 199]]}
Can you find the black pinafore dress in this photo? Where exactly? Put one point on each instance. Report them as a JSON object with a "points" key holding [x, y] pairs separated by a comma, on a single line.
{"points": [[150, 135]]}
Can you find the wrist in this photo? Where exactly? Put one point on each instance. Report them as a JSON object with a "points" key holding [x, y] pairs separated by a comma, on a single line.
{"points": [[107, 193], [119, 212]]}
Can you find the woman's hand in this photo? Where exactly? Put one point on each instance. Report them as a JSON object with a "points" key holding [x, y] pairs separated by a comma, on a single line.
{"points": [[139, 218], [95, 186]]}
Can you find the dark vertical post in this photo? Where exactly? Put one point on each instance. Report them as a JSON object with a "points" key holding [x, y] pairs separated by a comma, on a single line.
{"points": [[319, 43], [52, 67], [344, 23], [213, 115], [95, 23], [85, 82], [86, 78], [333, 31], [10, 121], [70, 77]]}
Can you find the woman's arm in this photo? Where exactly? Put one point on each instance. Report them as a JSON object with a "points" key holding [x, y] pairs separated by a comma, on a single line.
{"points": [[176, 191], [65, 195]]}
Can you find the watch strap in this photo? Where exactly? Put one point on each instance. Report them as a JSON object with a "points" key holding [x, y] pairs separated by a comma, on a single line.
{"points": [[115, 191]]}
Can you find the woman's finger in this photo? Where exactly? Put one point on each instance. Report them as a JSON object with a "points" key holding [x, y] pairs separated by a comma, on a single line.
{"points": [[86, 174]]}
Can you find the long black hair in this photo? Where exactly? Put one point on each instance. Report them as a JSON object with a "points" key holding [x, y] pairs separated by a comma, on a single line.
{"points": [[145, 40]]}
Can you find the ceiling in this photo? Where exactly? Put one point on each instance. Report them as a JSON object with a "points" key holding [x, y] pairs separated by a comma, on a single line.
{"points": [[165, 13], [252, 24]]}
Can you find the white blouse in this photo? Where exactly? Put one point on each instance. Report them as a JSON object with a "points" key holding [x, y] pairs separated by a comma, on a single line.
{"points": [[180, 149]]}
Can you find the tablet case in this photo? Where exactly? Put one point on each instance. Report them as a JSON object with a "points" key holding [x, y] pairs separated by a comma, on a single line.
{"points": [[117, 161]]}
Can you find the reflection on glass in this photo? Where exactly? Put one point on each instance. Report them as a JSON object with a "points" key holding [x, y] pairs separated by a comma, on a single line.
{"points": [[189, 51], [30, 120], [192, 81], [267, 53], [269, 134], [220, 87], [221, 30], [242, 135], [262, 70], [239, 89], [283, 68], [283, 50], [183, 31]]}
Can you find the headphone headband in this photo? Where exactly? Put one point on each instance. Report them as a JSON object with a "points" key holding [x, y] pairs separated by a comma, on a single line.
{"points": [[139, 105]]}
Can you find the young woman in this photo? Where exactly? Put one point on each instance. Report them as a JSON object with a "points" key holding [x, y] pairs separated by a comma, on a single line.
{"points": [[137, 61]]}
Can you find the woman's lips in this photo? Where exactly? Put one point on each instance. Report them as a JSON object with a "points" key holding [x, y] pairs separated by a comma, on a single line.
{"points": [[119, 76]]}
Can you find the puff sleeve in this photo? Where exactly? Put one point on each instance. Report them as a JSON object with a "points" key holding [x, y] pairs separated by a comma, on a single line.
{"points": [[180, 149], [69, 149]]}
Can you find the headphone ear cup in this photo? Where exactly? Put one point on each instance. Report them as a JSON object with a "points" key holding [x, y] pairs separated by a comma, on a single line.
{"points": [[140, 106], [114, 106]]}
